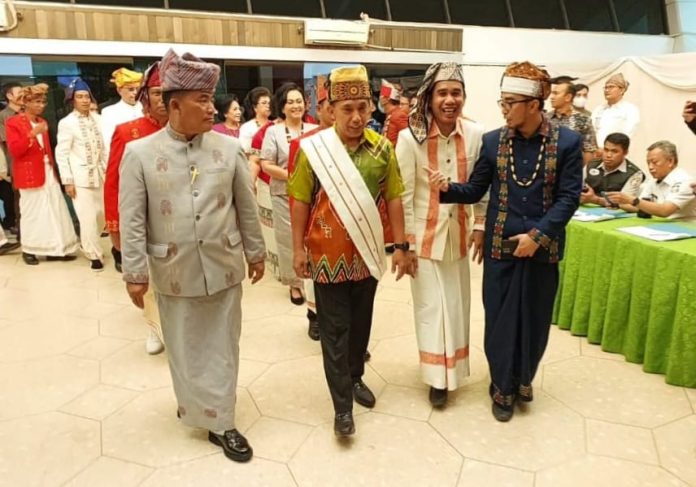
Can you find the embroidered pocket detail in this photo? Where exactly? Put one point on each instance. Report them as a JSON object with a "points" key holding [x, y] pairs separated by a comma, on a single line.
{"points": [[211, 413]]}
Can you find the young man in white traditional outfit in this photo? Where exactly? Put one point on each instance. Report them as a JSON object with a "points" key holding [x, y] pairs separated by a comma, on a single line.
{"points": [[81, 160], [617, 114], [338, 238], [188, 219], [439, 138], [128, 108]]}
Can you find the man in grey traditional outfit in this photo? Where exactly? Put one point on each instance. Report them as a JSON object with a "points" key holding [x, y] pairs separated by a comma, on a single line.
{"points": [[188, 215]]}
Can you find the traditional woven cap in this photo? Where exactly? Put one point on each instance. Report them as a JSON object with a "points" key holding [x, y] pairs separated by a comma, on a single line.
{"points": [[320, 82], [389, 91], [526, 79], [151, 79], [72, 84], [349, 83], [618, 80], [124, 76], [187, 73], [30, 93], [419, 118]]}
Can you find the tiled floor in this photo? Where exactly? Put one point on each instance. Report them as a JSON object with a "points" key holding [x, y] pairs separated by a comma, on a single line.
{"points": [[81, 404]]}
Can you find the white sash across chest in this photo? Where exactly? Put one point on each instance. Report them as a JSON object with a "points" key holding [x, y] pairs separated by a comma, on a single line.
{"points": [[349, 196]]}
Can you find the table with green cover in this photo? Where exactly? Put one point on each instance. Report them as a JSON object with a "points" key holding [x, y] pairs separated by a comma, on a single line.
{"points": [[633, 296]]}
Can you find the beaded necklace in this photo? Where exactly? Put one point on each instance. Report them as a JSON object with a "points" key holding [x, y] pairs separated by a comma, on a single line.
{"points": [[288, 136], [526, 182]]}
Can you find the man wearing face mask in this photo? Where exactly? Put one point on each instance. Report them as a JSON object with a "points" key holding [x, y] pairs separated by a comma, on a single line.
{"points": [[563, 112], [580, 101], [534, 171], [188, 219]]}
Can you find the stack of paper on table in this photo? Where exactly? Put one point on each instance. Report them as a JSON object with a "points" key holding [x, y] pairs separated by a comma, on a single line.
{"points": [[599, 214], [663, 232]]}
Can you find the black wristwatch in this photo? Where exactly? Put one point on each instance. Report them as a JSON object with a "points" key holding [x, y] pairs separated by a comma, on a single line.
{"points": [[635, 202], [402, 246]]}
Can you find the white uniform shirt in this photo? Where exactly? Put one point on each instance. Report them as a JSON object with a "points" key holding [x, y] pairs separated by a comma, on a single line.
{"points": [[115, 115], [246, 134], [676, 189], [622, 117]]}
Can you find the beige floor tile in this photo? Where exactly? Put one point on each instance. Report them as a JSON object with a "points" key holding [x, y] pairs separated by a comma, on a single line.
{"points": [[605, 472], [246, 412], [98, 310], [249, 371], [691, 394], [46, 449], [19, 305], [133, 368], [99, 348], [588, 349], [391, 320], [297, 391], [619, 441], [562, 345], [277, 339], [615, 392], [546, 434], [371, 457], [99, 402], [216, 470], [406, 402], [676, 444], [147, 432], [266, 301], [44, 336], [127, 323], [277, 440], [396, 295], [110, 472], [479, 474], [44, 385], [114, 293], [396, 361]]}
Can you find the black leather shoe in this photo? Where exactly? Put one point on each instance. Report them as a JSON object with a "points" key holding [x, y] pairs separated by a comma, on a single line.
{"points": [[437, 397], [344, 425], [117, 259], [65, 258], [367, 356], [503, 413], [234, 445], [313, 330], [9, 247], [96, 265], [363, 395], [297, 301], [30, 259]]}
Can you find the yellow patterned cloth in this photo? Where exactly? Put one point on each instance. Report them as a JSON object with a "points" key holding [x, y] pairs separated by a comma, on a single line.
{"points": [[124, 76]]}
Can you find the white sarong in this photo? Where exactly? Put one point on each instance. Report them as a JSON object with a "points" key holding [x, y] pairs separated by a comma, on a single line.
{"points": [[283, 241], [45, 225], [263, 199], [202, 339], [441, 302], [89, 206]]}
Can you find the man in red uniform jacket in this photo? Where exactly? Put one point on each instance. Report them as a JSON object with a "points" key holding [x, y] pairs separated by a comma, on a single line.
{"points": [[397, 119], [150, 95]]}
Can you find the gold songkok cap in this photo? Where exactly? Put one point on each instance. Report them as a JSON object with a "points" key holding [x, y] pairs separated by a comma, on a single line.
{"points": [[526, 79], [349, 83]]}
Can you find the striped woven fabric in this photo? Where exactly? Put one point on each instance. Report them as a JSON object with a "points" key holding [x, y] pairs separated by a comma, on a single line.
{"points": [[187, 72]]}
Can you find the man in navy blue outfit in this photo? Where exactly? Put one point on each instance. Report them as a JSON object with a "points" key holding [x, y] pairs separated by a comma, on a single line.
{"points": [[534, 172]]}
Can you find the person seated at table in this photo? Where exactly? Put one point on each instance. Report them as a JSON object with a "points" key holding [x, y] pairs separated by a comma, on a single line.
{"points": [[613, 172], [668, 192]]}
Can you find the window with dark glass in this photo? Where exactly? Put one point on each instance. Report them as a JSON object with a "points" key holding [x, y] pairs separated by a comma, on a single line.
{"points": [[304, 8], [231, 6], [52, 1], [418, 11], [593, 15], [350, 9], [538, 14], [640, 16], [124, 3], [476, 12]]}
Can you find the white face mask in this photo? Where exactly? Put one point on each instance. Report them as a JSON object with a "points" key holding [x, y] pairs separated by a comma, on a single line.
{"points": [[580, 101]]}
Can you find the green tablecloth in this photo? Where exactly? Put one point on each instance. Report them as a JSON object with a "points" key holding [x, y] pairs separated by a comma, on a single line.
{"points": [[631, 295]]}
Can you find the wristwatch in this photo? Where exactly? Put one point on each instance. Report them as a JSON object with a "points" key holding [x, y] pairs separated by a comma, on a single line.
{"points": [[402, 246], [635, 202]]}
